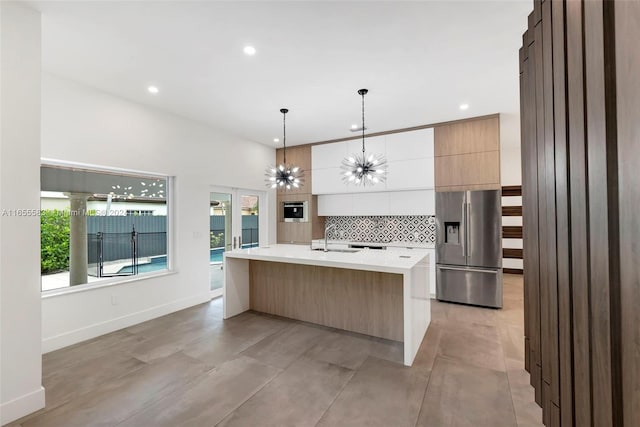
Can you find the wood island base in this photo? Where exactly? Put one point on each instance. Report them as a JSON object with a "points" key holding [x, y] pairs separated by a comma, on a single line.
{"points": [[366, 302]]}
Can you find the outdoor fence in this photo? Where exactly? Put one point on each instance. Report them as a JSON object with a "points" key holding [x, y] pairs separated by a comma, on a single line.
{"points": [[151, 235], [249, 228], [115, 236]]}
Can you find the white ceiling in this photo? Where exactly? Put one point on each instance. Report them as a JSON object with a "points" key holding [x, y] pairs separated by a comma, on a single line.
{"points": [[419, 60]]}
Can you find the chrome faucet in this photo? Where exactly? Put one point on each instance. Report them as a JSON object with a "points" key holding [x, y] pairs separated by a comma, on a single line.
{"points": [[326, 230]]}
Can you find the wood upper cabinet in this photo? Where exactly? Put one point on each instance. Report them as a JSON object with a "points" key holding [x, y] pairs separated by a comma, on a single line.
{"points": [[299, 156], [299, 232], [471, 136], [467, 155]]}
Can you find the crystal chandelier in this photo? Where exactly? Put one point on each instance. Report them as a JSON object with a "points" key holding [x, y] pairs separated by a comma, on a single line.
{"points": [[364, 169], [284, 175]]}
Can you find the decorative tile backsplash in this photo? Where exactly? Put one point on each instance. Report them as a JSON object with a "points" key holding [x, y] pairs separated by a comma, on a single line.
{"points": [[406, 228]]}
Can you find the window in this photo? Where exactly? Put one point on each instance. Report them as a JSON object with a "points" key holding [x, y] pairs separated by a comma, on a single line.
{"points": [[97, 224]]}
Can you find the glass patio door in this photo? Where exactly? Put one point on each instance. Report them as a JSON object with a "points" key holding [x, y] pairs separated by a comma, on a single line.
{"points": [[249, 236], [234, 223], [221, 204]]}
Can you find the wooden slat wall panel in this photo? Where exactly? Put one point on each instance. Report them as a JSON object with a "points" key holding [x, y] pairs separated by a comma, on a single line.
{"points": [[580, 109], [627, 302], [550, 314], [578, 219], [530, 213], [524, 130], [536, 354], [596, 146], [565, 337], [543, 226]]}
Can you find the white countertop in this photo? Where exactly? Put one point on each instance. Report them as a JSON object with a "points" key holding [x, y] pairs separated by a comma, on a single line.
{"points": [[395, 244], [415, 245], [396, 261]]}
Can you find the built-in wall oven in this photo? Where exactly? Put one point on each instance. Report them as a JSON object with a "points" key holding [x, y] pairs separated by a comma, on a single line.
{"points": [[295, 211]]}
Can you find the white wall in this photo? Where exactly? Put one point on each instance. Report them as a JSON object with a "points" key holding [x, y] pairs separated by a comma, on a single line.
{"points": [[84, 125], [21, 391]]}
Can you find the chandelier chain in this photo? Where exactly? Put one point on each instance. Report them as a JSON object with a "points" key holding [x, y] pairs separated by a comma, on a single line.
{"points": [[363, 123], [284, 136]]}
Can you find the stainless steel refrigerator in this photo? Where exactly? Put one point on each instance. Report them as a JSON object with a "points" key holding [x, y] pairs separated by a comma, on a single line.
{"points": [[469, 247]]}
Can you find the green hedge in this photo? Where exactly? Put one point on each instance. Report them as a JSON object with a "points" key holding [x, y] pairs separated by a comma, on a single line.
{"points": [[54, 241], [216, 240]]}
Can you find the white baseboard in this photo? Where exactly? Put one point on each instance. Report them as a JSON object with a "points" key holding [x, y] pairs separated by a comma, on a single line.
{"points": [[21, 406], [78, 335]]}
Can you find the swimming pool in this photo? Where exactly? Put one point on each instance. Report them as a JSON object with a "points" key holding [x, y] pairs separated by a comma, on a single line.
{"points": [[158, 263]]}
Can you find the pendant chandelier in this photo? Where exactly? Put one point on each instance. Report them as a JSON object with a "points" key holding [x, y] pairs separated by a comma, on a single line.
{"points": [[364, 169], [284, 175]]}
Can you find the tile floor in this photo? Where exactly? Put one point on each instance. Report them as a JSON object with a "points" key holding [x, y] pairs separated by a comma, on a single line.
{"points": [[192, 369]]}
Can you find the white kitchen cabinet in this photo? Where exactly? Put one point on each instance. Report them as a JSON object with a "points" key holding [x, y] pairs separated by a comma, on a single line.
{"points": [[327, 159], [370, 204], [335, 204], [357, 189], [353, 204], [325, 168], [374, 145], [410, 158], [410, 164], [422, 202], [327, 181], [326, 156]]}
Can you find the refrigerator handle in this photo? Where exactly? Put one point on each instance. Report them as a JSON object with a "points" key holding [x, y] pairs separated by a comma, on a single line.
{"points": [[463, 237], [472, 270], [467, 228]]}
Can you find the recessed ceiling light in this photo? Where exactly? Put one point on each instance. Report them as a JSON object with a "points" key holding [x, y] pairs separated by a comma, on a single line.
{"points": [[250, 50], [464, 106], [354, 126], [276, 139], [153, 89]]}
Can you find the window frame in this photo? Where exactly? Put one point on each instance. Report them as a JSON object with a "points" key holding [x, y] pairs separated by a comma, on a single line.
{"points": [[170, 187]]}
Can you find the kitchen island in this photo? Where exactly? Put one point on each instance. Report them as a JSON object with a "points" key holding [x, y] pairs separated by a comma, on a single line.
{"points": [[375, 292]]}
